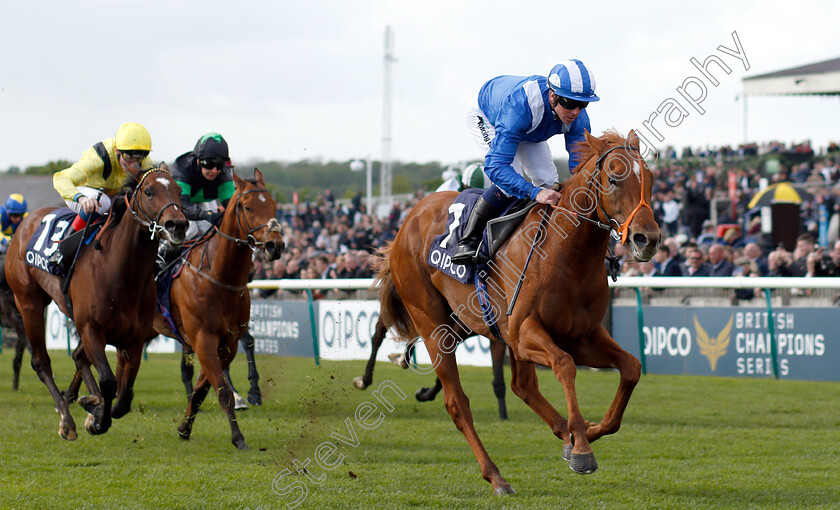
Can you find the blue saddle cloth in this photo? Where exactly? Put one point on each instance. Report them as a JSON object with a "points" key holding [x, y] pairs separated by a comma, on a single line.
{"points": [[163, 282], [44, 241], [443, 245]]}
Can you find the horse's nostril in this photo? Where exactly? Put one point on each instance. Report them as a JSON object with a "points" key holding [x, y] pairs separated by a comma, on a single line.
{"points": [[640, 240]]}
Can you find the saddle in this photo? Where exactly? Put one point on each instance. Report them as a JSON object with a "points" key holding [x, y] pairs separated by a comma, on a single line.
{"points": [[495, 234]]}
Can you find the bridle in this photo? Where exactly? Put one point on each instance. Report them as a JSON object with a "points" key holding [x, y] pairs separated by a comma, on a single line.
{"points": [[619, 231], [152, 222], [250, 241], [244, 225]]}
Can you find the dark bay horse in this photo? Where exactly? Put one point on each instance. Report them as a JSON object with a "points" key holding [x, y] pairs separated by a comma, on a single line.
{"points": [[12, 319], [211, 306], [112, 291], [556, 321], [497, 354]]}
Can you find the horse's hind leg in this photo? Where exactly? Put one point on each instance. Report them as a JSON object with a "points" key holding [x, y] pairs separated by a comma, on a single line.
{"points": [[187, 369], [429, 394], [33, 320], [497, 353], [375, 343], [128, 363], [196, 398], [601, 351], [441, 342]]}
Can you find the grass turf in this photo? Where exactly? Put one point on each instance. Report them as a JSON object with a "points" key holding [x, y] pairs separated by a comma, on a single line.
{"points": [[686, 442]]}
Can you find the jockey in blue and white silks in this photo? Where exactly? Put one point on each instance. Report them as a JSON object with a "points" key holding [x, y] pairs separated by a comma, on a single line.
{"points": [[511, 122]]}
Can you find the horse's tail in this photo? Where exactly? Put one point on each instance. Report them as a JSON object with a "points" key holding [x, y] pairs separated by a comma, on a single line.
{"points": [[392, 313]]}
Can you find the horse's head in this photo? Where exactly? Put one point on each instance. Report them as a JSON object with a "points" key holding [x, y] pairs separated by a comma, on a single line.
{"points": [[156, 203], [625, 186], [255, 215]]}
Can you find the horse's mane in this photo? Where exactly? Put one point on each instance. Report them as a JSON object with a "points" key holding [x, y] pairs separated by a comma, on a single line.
{"points": [[118, 203], [585, 152]]}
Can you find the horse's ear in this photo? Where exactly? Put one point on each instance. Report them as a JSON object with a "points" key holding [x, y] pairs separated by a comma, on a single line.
{"points": [[632, 139], [238, 181], [598, 146], [164, 166], [259, 176]]}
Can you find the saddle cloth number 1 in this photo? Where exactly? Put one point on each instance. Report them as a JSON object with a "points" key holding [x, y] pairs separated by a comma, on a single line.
{"points": [[457, 210]]}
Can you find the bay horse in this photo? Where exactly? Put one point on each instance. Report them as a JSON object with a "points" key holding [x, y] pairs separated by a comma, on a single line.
{"points": [[497, 355], [112, 291], [556, 320], [210, 304], [12, 319]]}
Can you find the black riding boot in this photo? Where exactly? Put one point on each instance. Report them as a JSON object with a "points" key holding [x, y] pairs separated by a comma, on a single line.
{"points": [[63, 256], [467, 247]]}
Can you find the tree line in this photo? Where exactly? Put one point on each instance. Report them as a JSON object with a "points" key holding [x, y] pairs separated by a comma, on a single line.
{"points": [[309, 178]]}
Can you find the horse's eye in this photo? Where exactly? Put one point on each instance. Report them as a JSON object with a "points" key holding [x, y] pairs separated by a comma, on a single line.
{"points": [[613, 181], [147, 192]]}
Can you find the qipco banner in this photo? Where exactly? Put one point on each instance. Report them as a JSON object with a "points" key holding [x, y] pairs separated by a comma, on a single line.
{"points": [[734, 341], [345, 329]]}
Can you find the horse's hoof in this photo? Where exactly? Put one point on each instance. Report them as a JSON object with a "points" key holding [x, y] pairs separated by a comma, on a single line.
{"points": [[255, 399], [184, 433], [240, 445], [425, 395], [567, 452], [583, 463], [89, 403], [90, 425], [359, 383], [66, 432], [239, 403], [398, 358], [503, 489]]}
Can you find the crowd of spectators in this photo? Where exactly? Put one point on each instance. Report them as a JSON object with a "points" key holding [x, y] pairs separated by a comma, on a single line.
{"points": [[330, 239], [327, 238]]}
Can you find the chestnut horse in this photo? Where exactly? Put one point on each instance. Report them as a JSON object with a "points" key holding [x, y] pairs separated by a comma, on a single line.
{"points": [[210, 303], [112, 291], [556, 321]]}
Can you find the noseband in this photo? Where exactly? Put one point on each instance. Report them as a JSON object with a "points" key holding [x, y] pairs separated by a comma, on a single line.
{"points": [[149, 221]]}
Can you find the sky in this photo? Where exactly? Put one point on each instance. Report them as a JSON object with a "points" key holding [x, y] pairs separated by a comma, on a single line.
{"points": [[290, 80]]}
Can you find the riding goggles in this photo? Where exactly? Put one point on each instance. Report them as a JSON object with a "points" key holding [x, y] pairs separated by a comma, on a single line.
{"points": [[135, 154], [219, 163], [571, 104]]}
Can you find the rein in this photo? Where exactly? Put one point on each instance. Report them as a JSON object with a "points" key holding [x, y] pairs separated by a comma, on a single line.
{"points": [[151, 222]]}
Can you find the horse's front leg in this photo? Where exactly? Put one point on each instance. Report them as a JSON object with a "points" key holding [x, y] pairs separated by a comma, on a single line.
{"points": [[536, 346], [128, 363], [254, 393], [214, 358], [601, 351], [99, 417]]}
